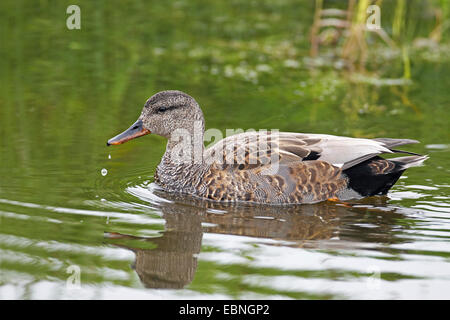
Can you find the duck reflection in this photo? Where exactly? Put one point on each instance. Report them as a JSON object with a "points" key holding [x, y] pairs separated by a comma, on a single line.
{"points": [[172, 260], [172, 264]]}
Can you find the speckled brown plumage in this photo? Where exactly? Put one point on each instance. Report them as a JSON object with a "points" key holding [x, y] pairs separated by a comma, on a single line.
{"points": [[263, 167], [298, 182]]}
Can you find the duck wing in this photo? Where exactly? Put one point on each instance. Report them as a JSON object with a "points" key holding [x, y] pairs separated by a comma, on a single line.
{"points": [[253, 149]]}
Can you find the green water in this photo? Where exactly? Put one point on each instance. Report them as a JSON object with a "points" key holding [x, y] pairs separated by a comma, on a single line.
{"points": [[64, 93]]}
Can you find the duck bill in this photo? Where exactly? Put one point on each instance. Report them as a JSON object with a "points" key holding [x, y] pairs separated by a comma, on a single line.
{"points": [[135, 131]]}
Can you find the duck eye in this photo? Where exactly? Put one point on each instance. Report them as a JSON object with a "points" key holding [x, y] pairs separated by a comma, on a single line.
{"points": [[161, 109], [165, 108]]}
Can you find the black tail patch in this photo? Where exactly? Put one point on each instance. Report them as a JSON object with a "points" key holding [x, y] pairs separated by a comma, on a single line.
{"points": [[374, 176]]}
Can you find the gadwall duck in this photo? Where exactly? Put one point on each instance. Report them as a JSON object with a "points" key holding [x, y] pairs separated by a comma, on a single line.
{"points": [[267, 167]]}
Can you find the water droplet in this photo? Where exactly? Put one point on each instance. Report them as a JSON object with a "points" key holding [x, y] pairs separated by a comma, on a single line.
{"points": [[104, 172], [109, 156]]}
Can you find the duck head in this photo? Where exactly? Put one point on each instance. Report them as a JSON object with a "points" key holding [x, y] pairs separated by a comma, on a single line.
{"points": [[164, 113]]}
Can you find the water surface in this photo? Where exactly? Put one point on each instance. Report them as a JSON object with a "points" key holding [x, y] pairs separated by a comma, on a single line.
{"points": [[67, 202]]}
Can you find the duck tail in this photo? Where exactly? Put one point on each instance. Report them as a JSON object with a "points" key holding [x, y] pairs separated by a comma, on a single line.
{"points": [[376, 175], [408, 162]]}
